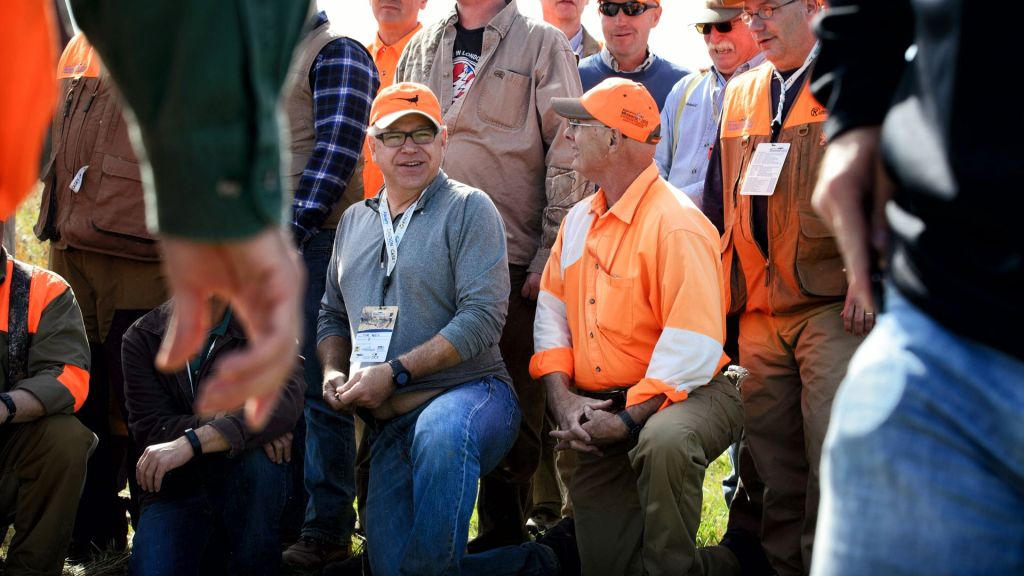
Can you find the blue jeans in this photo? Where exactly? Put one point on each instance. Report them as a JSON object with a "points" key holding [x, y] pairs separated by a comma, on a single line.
{"points": [[424, 469], [924, 466], [329, 459], [228, 524]]}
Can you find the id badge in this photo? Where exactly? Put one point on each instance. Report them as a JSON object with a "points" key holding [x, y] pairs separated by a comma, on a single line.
{"points": [[765, 168], [376, 326]]}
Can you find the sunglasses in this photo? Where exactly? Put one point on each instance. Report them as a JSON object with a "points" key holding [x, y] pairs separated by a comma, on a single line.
{"points": [[722, 27], [396, 138], [632, 8]]}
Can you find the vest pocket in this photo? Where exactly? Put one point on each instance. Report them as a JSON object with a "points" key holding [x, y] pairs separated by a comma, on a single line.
{"points": [[614, 313], [119, 206], [819, 266], [504, 98]]}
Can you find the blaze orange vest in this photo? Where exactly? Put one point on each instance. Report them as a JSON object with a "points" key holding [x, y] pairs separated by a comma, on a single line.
{"points": [[803, 267]]}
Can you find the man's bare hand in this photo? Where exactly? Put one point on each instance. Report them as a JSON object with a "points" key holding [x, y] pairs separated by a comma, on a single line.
{"points": [[605, 428], [531, 287], [570, 411], [851, 190], [263, 279], [333, 381], [159, 459], [368, 388], [279, 450]]}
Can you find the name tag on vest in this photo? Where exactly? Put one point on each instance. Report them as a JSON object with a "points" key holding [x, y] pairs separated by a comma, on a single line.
{"points": [[765, 169]]}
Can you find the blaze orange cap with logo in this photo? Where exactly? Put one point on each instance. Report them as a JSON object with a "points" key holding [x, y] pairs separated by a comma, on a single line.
{"points": [[402, 99], [617, 103]]}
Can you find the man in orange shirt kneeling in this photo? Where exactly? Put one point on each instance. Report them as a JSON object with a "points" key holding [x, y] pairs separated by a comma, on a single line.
{"points": [[629, 331]]}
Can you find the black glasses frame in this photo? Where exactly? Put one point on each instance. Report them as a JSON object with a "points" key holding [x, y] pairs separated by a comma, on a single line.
{"points": [[417, 135]]}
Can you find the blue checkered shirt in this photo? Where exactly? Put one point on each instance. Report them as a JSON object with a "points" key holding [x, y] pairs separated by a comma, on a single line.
{"points": [[344, 82]]}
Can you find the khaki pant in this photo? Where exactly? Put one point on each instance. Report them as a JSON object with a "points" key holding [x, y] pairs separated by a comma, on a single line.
{"points": [[638, 506], [551, 480], [795, 363], [113, 293], [42, 468]]}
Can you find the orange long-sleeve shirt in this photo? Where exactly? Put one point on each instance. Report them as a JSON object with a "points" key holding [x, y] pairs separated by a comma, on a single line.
{"points": [[632, 295]]}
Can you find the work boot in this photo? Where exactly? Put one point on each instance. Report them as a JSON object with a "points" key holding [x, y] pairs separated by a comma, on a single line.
{"points": [[310, 553]]}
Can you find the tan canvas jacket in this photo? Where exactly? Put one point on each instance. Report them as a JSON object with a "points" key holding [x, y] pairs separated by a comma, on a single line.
{"points": [[504, 137]]}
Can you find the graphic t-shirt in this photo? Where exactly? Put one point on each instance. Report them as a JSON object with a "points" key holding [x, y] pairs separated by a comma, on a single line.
{"points": [[468, 46]]}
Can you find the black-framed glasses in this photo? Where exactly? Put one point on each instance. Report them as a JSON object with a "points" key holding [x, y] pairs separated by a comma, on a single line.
{"points": [[397, 138], [764, 12], [631, 8], [722, 27]]}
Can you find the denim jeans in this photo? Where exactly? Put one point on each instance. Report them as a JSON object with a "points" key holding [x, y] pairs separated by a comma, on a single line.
{"points": [[229, 524], [923, 466], [424, 468], [329, 460]]}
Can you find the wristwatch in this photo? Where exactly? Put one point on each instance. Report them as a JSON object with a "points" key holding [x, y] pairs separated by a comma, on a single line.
{"points": [[12, 409], [193, 439], [399, 375], [631, 425]]}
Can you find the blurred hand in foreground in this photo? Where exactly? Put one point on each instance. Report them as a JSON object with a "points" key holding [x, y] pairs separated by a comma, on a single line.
{"points": [[263, 280]]}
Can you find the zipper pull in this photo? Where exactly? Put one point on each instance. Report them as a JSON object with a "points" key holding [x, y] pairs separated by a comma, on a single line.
{"points": [[767, 272]]}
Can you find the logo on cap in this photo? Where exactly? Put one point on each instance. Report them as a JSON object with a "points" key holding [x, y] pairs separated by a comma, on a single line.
{"points": [[634, 118], [414, 100]]}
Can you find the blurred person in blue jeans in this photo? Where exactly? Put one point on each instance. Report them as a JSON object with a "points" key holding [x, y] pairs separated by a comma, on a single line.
{"points": [[408, 335], [923, 466], [213, 489]]}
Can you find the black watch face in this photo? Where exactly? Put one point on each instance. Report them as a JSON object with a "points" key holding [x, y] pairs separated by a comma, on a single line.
{"points": [[402, 378]]}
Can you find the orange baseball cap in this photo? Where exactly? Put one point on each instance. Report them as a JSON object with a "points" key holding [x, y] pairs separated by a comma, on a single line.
{"points": [[401, 99], [617, 103]]}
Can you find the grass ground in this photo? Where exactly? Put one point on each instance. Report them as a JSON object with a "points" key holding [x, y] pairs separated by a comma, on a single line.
{"points": [[713, 513]]}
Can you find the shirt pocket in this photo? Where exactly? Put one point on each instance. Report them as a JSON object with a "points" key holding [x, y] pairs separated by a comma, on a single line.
{"points": [[614, 305], [504, 99]]}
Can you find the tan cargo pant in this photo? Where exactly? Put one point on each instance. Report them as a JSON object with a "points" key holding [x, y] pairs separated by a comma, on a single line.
{"points": [[796, 364], [638, 506]]}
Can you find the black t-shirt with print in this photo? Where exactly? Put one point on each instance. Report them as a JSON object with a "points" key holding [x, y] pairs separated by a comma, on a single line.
{"points": [[468, 46]]}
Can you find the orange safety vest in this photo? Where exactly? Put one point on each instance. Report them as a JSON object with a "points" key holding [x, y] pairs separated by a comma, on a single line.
{"points": [[803, 268]]}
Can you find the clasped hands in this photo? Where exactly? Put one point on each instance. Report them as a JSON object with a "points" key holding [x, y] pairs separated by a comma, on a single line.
{"points": [[586, 424], [367, 388]]}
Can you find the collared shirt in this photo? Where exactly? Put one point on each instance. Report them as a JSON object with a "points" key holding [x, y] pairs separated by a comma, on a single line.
{"points": [[576, 42], [686, 165], [386, 58], [611, 62], [344, 83], [632, 295], [503, 135]]}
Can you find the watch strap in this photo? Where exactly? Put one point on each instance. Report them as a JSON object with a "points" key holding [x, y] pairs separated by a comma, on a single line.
{"points": [[193, 439], [398, 369], [631, 425], [12, 408]]}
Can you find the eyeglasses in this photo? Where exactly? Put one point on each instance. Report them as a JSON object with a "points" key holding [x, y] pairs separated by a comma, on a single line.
{"points": [[632, 8], [722, 27], [577, 124], [764, 12], [397, 138]]}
